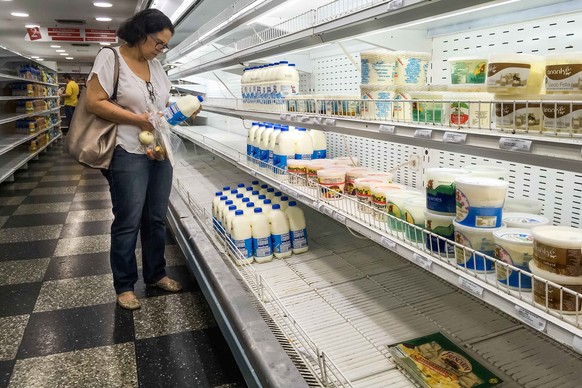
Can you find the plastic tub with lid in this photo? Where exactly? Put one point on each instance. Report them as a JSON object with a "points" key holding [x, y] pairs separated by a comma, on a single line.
{"points": [[557, 249], [332, 182], [487, 171], [386, 176], [381, 106], [523, 205], [297, 169], [379, 197], [515, 73], [556, 298], [346, 161], [564, 73], [411, 68], [478, 239], [515, 247], [468, 70], [440, 189], [364, 192], [429, 109], [440, 225], [469, 110], [395, 201], [351, 175], [562, 115], [414, 209], [524, 220], [377, 67], [402, 106], [518, 113], [315, 165], [480, 201]]}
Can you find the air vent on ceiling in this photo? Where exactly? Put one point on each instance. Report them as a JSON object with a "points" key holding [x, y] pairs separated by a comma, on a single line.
{"points": [[71, 21], [80, 44]]}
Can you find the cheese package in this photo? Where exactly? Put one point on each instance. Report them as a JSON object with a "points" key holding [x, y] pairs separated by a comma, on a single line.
{"points": [[435, 361]]}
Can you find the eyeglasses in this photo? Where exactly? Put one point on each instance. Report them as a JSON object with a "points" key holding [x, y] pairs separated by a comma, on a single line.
{"points": [[160, 46], [150, 89]]}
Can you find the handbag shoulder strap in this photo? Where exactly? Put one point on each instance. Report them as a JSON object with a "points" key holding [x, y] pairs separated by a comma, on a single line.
{"points": [[115, 72]]}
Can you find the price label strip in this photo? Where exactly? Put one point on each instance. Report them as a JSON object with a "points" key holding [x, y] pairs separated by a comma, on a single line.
{"points": [[422, 261], [330, 122], [340, 218], [395, 4], [388, 243], [423, 134], [470, 287], [304, 119], [531, 319], [389, 129], [284, 117], [577, 344], [510, 144], [455, 138], [289, 191]]}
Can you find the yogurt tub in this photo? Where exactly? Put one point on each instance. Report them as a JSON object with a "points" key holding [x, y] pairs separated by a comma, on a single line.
{"points": [[381, 107], [515, 73], [314, 166], [468, 70], [562, 114], [379, 201], [479, 239], [402, 106], [487, 171], [564, 73], [518, 113], [346, 161], [480, 201], [524, 220], [411, 68], [441, 225], [515, 247], [351, 175], [523, 205], [333, 181], [556, 298], [395, 201], [469, 110], [297, 169], [386, 176], [414, 214], [377, 67], [440, 188], [364, 192], [557, 249], [430, 109]]}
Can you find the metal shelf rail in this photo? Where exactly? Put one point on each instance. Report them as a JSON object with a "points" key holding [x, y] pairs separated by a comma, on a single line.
{"points": [[10, 163], [8, 143]]}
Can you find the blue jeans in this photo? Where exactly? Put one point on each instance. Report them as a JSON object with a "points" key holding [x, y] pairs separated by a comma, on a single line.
{"points": [[69, 111], [140, 191]]}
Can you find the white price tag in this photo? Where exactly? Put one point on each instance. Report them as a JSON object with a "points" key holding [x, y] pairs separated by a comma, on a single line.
{"points": [[388, 243], [283, 117], [304, 119], [422, 261], [456, 138], [395, 4], [510, 144], [471, 287], [289, 191], [531, 319], [328, 211], [389, 129], [292, 117], [423, 134], [329, 121], [339, 217], [317, 120], [577, 344]]}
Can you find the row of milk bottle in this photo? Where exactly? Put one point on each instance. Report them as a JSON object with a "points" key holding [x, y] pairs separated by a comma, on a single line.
{"points": [[273, 144], [269, 84], [259, 222]]}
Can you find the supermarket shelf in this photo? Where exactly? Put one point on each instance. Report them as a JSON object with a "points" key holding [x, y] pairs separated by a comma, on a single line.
{"points": [[8, 118], [566, 329], [13, 161], [367, 297], [13, 98], [9, 142], [8, 77], [547, 151]]}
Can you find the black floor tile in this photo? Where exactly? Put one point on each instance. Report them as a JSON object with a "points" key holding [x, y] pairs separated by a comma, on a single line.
{"points": [[93, 189], [27, 179], [91, 205], [18, 299], [27, 250], [75, 329], [5, 191], [58, 184], [179, 273], [6, 368], [36, 220], [198, 358], [8, 210], [34, 199], [67, 267], [92, 228]]}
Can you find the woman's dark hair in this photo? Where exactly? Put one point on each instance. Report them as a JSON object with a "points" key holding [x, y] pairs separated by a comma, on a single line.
{"points": [[137, 28]]}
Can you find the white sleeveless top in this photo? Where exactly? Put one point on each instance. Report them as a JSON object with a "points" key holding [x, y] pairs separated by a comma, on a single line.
{"points": [[132, 92]]}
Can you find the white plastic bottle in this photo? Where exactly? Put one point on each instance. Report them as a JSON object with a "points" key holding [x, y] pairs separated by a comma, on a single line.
{"points": [[284, 149], [244, 85], [256, 185], [182, 109], [219, 209], [238, 200], [303, 145], [242, 237], [215, 202], [280, 235], [229, 217], [277, 80], [248, 191], [290, 81], [232, 194], [262, 245], [264, 144], [222, 215], [227, 210], [257, 143], [277, 197], [272, 141], [262, 197], [267, 206], [255, 195], [297, 227], [254, 78], [319, 144], [249, 208], [284, 203], [270, 193], [263, 190]]}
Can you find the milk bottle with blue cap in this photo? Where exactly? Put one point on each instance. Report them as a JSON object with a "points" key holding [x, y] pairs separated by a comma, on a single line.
{"points": [[284, 203], [303, 145], [227, 210], [280, 234], [182, 109], [256, 146], [297, 228], [284, 149], [222, 214], [264, 144], [228, 219], [273, 140], [319, 144], [267, 206], [249, 208], [242, 237], [289, 81], [215, 202], [262, 245], [218, 213]]}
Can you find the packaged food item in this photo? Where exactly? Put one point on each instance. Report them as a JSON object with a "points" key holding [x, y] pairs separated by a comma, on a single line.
{"points": [[478, 239], [562, 115], [468, 70], [333, 181], [564, 73], [556, 298], [469, 110], [411, 68], [514, 247], [479, 201], [557, 249], [441, 225], [377, 67], [518, 113], [515, 73], [440, 189]]}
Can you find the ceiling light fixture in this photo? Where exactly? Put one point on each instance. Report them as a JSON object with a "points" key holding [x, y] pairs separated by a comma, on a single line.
{"points": [[60, 51], [181, 10], [105, 43], [19, 14], [103, 19], [64, 54], [103, 5], [40, 59], [35, 57], [55, 46], [69, 58]]}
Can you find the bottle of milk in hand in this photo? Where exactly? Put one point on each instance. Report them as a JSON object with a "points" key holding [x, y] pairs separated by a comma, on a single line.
{"points": [[182, 109]]}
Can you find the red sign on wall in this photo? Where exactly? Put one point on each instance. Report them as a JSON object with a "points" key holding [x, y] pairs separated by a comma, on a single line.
{"points": [[57, 34]]}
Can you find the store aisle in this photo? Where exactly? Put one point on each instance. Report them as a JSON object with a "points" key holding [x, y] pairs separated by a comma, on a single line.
{"points": [[59, 323]]}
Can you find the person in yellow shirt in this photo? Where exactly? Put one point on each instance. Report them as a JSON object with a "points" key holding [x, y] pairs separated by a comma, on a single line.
{"points": [[71, 95]]}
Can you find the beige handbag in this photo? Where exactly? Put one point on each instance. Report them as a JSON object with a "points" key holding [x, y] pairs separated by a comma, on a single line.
{"points": [[91, 140]]}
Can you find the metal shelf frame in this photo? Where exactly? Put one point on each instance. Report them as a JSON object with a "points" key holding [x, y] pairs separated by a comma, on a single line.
{"points": [[4, 148], [23, 116], [7, 77], [7, 170], [13, 98]]}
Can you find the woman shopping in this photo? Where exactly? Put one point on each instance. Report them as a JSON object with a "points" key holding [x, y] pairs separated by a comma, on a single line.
{"points": [[139, 187]]}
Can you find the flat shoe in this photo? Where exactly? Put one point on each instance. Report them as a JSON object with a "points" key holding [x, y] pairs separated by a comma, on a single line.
{"points": [[169, 285], [132, 304]]}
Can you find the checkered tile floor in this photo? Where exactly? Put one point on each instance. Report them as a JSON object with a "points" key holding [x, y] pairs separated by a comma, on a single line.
{"points": [[59, 324]]}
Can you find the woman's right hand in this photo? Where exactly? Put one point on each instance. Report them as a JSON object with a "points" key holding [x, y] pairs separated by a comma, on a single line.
{"points": [[144, 123]]}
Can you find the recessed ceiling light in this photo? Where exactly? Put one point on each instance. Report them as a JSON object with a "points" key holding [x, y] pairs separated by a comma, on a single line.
{"points": [[55, 46], [35, 57], [69, 58], [31, 25], [60, 51], [103, 19], [40, 59], [103, 4], [19, 14], [63, 54], [105, 43]]}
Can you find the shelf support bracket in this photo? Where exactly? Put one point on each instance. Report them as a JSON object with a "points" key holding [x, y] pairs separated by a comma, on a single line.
{"points": [[349, 56], [223, 84]]}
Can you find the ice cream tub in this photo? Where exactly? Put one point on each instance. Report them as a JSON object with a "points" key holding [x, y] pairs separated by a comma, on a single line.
{"points": [[515, 247], [480, 201], [297, 169], [518, 114], [515, 73], [377, 67], [411, 68], [554, 297], [523, 205], [333, 181], [379, 198], [558, 249], [564, 73], [414, 215], [478, 239], [351, 175], [524, 220], [364, 192], [468, 70], [395, 201], [440, 188], [441, 225], [487, 171]]}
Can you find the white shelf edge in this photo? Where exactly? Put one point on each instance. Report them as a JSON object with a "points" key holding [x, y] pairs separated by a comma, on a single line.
{"points": [[560, 330], [14, 98], [20, 163], [20, 79], [23, 116], [10, 147]]}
